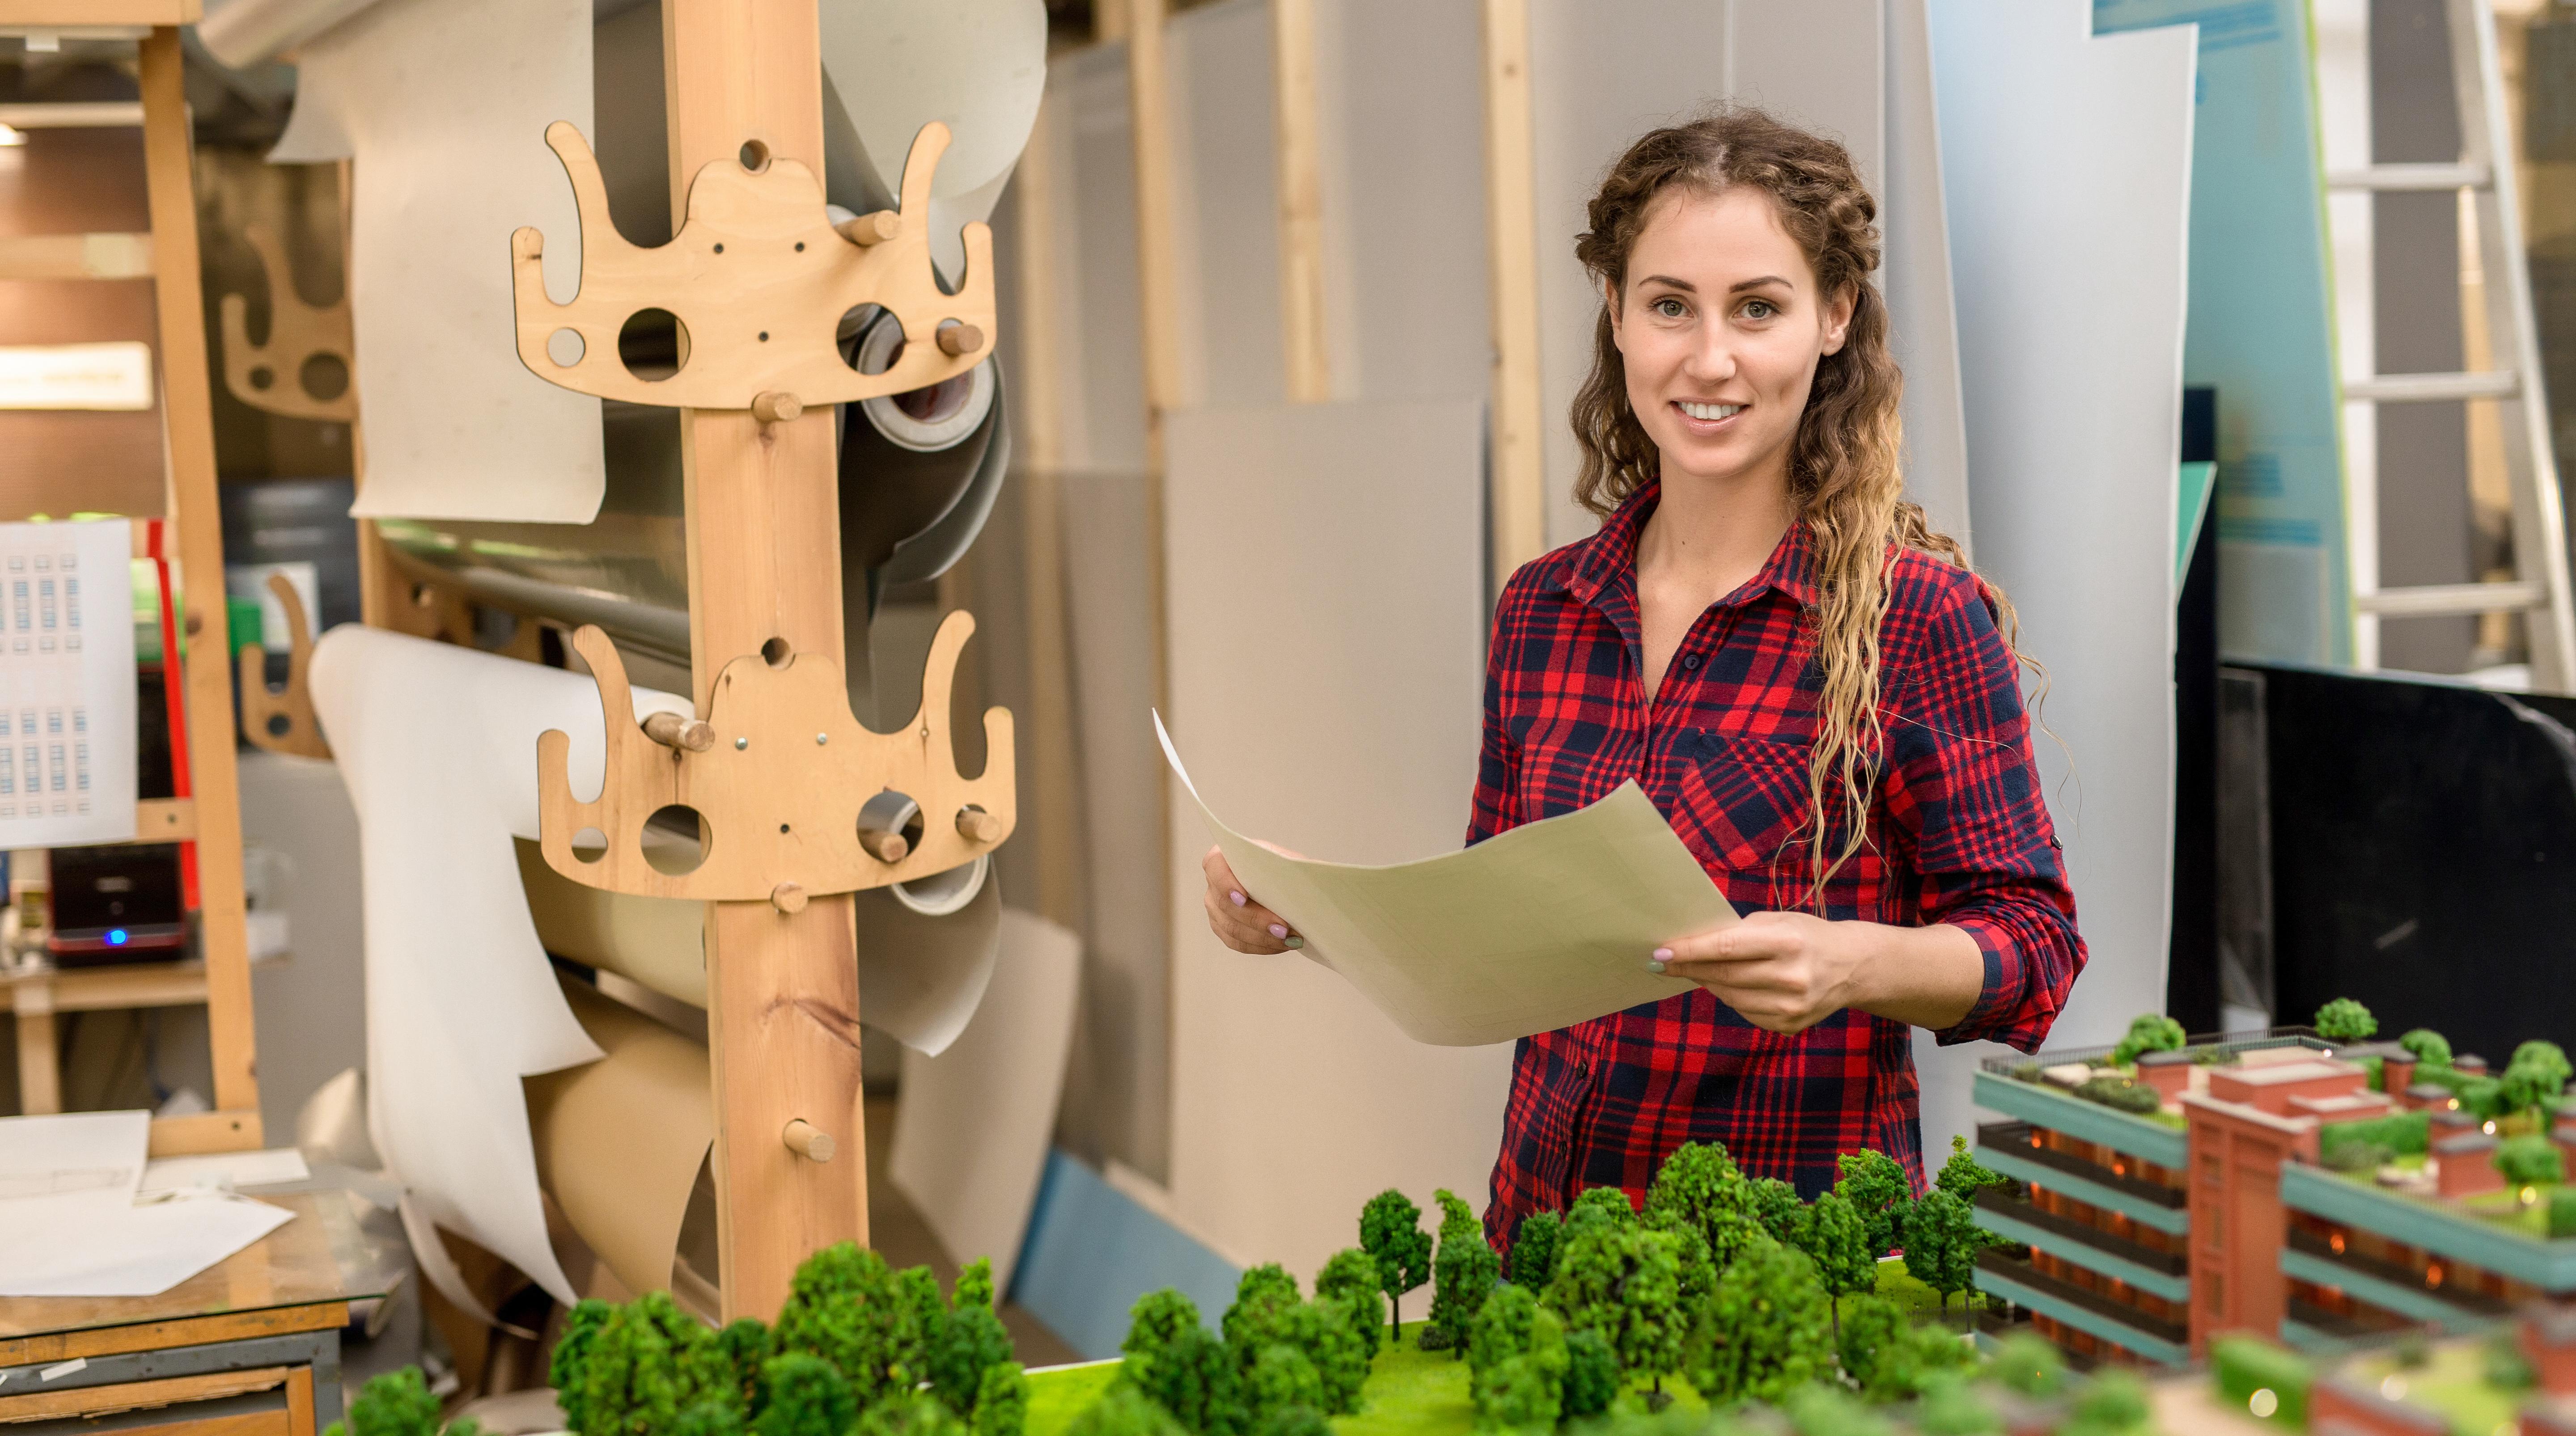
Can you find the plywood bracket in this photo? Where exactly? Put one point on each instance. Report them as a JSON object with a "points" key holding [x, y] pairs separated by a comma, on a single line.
{"points": [[759, 279], [281, 720], [794, 798], [270, 376]]}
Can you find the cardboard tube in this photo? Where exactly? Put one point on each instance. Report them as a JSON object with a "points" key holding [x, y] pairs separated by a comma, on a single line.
{"points": [[620, 1141]]}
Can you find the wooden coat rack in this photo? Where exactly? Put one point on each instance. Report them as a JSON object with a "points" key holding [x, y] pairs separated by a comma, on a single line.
{"points": [[760, 450], [270, 376]]}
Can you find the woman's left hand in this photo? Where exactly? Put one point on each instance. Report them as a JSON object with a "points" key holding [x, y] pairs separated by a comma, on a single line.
{"points": [[1783, 971]]}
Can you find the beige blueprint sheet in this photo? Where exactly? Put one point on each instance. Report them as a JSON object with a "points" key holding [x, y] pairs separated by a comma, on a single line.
{"points": [[1546, 925]]}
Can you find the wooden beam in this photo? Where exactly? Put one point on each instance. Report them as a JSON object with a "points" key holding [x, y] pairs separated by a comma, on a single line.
{"points": [[1301, 202], [765, 564], [94, 14], [40, 1068], [200, 1132], [1519, 477], [1149, 94], [187, 410], [116, 988], [76, 256], [142, 1395]]}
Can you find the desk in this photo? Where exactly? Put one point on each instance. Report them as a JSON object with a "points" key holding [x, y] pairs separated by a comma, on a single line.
{"points": [[248, 1347]]}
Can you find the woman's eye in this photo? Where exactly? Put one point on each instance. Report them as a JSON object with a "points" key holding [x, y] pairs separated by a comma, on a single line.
{"points": [[1759, 309], [1671, 308]]}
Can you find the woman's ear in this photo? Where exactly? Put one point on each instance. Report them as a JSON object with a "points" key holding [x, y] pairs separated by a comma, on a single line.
{"points": [[1610, 304], [1838, 318]]}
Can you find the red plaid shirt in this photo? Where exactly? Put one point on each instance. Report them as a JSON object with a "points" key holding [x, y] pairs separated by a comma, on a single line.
{"points": [[1957, 834]]}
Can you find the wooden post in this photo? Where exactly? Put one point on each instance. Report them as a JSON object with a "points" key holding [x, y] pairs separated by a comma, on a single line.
{"points": [[1301, 202], [1149, 94], [1519, 495], [188, 416], [765, 564], [1037, 210]]}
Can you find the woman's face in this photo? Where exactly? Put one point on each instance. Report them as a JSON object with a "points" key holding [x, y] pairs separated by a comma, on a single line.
{"points": [[1720, 331]]}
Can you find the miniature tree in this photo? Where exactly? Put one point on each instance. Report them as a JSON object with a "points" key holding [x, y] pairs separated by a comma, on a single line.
{"points": [[1462, 1274], [647, 1363], [1294, 1421], [744, 1346], [1516, 1352], [1624, 1281], [2536, 1078], [572, 1348], [910, 1414], [808, 1396], [1765, 1332], [919, 1315], [1838, 1242], [1823, 1410], [1534, 1249], [969, 1341], [1318, 1331], [711, 1418], [1279, 1377], [1125, 1411], [1876, 1187], [1516, 1395], [1698, 1186], [2148, 1032], [1775, 1207], [846, 1307], [1591, 1376], [1606, 1205], [1952, 1407], [1963, 1176], [1391, 1232], [2113, 1403], [2344, 1020], [2483, 1098], [2562, 1212], [1002, 1402], [1351, 1278], [1512, 1323], [1194, 1377], [1872, 1343], [1259, 1295], [2530, 1161], [397, 1403], [1156, 1321], [2027, 1363], [1941, 1244], [2431, 1048]]}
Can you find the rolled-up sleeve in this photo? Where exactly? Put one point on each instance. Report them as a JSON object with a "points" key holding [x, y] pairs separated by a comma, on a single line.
{"points": [[1962, 784]]}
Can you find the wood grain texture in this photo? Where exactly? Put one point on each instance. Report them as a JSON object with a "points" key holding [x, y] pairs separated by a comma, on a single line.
{"points": [[1149, 99], [759, 280], [194, 512], [262, 707], [1519, 497], [76, 256], [91, 1401], [107, 989], [40, 1070], [234, 1130], [778, 793], [165, 820], [299, 1401], [297, 333], [100, 12], [764, 563], [1301, 201], [247, 1423], [286, 1282]]}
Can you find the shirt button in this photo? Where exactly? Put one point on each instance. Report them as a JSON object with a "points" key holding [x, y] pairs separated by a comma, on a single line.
{"points": [[1691, 662]]}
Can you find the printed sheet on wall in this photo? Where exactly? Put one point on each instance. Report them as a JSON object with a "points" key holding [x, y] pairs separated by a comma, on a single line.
{"points": [[67, 735]]}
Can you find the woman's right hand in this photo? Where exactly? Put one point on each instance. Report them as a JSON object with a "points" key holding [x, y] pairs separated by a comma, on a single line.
{"points": [[1238, 921]]}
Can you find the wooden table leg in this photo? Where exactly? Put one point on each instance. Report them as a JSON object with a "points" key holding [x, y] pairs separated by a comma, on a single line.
{"points": [[299, 1403], [40, 1072]]}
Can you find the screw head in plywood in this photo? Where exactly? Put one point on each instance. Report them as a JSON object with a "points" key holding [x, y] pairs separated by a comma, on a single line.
{"points": [[758, 277]]}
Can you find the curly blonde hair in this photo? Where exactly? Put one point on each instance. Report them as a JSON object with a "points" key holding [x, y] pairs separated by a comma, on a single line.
{"points": [[1845, 480]]}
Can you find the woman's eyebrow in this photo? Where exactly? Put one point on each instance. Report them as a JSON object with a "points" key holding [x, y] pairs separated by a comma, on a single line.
{"points": [[1758, 283], [1684, 285]]}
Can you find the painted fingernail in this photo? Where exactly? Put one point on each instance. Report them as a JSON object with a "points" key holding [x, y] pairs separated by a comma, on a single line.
{"points": [[1663, 954], [1296, 942], [1278, 930], [1656, 967], [1238, 898]]}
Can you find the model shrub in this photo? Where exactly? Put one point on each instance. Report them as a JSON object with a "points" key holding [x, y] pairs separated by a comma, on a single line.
{"points": [[2149, 1032], [1821, 1410], [1259, 1295], [2562, 1212], [967, 1341], [1941, 1243], [1280, 1377], [1871, 1344], [2247, 1364], [1838, 1244], [2344, 1020], [2027, 1363], [2120, 1094], [1125, 1411], [1963, 1176], [1624, 1282], [2536, 1077], [1516, 1395], [1461, 1275], [1351, 1278], [1534, 1249], [1599, 1206], [1953, 1407], [1391, 1232], [1195, 1377], [1699, 1187], [572, 1348], [846, 1307], [397, 1403], [1002, 1401], [645, 1364], [711, 1418], [744, 1346], [1293, 1421], [1516, 1351], [2530, 1161], [2431, 1049], [2482, 1097], [1766, 1332], [1776, 1208], [911, 1414], [1591, 1375], [1877, 1188], [808, 1396], [2399, 1134], [2113, 1403]]}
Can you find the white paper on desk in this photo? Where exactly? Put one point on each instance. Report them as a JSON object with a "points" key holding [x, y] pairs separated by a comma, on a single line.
{"points": [[89, 1155], [225, 1170], [67, 731], [1538, 928], [108, 1248]]}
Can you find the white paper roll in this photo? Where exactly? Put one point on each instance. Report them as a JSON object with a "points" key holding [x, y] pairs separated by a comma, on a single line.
{"points": [[438, 745]]}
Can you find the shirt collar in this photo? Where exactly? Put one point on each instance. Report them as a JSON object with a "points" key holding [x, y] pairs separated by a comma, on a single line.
{"points": [[1612, 553]]}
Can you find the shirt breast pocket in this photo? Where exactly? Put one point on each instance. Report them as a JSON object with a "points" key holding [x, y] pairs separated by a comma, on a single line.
{"points": [[1742, 809]]}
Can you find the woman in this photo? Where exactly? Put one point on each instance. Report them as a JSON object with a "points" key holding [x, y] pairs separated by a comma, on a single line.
{"points": [[1770, 641]]}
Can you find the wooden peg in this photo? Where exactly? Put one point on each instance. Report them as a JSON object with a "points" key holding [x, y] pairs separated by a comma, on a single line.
{"points": [[883, 846], [776, 408], [679, 730], [809, 1141], [787, 898], [977, 826], [959, 340], [870, 229]]}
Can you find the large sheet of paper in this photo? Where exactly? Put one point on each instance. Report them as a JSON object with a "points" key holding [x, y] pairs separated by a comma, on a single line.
{"points": [[1544, 926], [73, 1154], [67, 732], [444, 106], [72, 1222]]}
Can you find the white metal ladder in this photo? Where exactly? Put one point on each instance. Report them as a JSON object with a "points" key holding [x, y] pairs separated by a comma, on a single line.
{"points": [[2539, 588]]}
